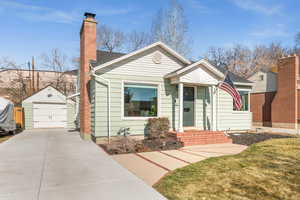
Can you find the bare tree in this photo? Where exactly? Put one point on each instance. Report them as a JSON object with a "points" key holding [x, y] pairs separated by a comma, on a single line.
{"points": [[217, 56], [296, 49], [170, 26], [56, 61], [76, 62], [244, 61], [110, 39], [297, 40], [17, 85], [137, 40]]}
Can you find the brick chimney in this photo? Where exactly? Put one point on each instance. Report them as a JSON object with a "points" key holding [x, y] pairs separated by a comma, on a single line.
{"points": [[87, 53], [285, 103]]}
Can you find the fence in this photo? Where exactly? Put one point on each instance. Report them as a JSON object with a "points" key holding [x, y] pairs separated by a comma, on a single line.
{"points": [[19, 117]]}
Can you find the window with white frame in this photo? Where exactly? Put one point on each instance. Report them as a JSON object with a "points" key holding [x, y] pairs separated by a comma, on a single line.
{"points": [[245, 101], [140, 100]]}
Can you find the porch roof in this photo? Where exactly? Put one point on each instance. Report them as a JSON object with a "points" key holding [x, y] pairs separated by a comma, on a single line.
{"points": [[203, 73]]}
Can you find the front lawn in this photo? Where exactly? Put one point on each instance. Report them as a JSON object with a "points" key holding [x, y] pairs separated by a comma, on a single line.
{"points": [[266, 170]]}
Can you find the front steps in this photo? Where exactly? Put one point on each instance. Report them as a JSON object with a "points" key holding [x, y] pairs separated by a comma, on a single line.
{"points": [[200, 137]]}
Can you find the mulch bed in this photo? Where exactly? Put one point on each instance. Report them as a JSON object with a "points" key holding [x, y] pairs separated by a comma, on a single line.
{"points": [[129, 145], [252, 138]]}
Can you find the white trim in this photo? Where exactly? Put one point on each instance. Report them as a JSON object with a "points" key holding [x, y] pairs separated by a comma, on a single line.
{"points": [[240, 112], [203, 62], [73, 95], [243, 89], [243, 111], [108, 99], [195, 96], [217, 110], [211, 107], [195, 104], [180, 97], [214, 110], [142, 83], [162, 45], [247, 84]]}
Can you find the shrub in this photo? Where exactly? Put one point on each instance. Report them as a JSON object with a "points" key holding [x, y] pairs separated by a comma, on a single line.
{"points": [[158, 127]]}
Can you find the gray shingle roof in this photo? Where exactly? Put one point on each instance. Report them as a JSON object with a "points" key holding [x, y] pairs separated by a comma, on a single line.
{"points": [[105, 56], [234, 77]]}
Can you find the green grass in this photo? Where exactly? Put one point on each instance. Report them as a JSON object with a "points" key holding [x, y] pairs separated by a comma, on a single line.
{"points": [[268, 170]]}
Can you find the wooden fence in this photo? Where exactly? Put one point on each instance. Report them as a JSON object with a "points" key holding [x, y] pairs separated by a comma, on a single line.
{"points": [[19, 117]]}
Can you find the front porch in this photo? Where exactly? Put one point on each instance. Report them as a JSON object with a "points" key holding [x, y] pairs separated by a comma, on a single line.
{"points": [[201, 137], [188, 80], [194, 128]]}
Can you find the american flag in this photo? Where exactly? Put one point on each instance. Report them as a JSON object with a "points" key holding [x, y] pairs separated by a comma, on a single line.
{"points": [[228, 86]]}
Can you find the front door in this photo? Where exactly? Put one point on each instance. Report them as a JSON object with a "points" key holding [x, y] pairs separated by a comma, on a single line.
{"points": [[188, 106]]}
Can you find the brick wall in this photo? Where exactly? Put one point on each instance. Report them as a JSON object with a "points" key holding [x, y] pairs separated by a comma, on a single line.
{"points": [[284, 106], [87, 53], [261, 108]]}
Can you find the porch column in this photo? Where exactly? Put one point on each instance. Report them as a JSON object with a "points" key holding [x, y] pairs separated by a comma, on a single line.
{"points": [[213, 108], [180, 97]]}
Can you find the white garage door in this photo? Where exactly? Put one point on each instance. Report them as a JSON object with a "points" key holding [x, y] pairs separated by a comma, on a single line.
{"points": [[49, 115]]}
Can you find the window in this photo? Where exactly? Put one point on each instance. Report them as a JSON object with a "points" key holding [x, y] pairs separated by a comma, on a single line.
{"points": [[261, 77], [245, 103], [140, 100]]}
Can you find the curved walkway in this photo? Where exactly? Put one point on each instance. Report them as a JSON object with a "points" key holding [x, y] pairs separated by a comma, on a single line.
{"points": [[152, 166], [57, 164]]}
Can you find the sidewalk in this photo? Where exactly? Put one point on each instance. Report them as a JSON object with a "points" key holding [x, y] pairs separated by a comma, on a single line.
{"points": [[275, 130]]}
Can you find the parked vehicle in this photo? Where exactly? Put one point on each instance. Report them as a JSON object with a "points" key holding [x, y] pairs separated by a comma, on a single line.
{"points": [[7, 122]]}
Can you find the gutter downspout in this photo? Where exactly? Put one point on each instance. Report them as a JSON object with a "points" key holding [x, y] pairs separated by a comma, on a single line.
{"points": [[108, 99]]}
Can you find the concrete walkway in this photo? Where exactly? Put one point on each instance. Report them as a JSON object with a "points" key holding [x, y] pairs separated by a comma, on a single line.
{"points": [[152, 166], [275, 130], [58, 165]]}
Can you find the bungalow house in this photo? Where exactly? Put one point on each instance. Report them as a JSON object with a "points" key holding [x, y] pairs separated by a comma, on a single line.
{"points": [[123, 90], [275, 95]]}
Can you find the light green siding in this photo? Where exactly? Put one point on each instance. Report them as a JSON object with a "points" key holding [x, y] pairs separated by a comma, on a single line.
{"points": [[92, 98], [229, 119], [71, 115], [167, 95], [28, 115]]}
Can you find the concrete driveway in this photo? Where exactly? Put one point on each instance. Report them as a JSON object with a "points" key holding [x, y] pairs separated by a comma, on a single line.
{"points": [[57, 164]]}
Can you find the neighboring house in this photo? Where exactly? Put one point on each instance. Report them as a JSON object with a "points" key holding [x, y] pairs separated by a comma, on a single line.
{"points": [[15, 82], [49, 108], [274, 98], [262, 95], [125, 90]]}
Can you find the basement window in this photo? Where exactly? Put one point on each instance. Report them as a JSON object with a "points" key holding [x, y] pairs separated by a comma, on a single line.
{"points": [[140, 100]]}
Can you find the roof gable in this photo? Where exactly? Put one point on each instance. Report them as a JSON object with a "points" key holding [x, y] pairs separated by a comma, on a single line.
{"points": [[126, 56], [199, 75], [200, 63], [48, 94]]}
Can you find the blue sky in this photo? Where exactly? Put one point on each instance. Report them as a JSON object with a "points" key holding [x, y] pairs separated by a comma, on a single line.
{"points": [[32, 27]]}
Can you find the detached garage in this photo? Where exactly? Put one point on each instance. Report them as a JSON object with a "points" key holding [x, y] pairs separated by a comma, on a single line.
{"points": [[48, 108]]}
